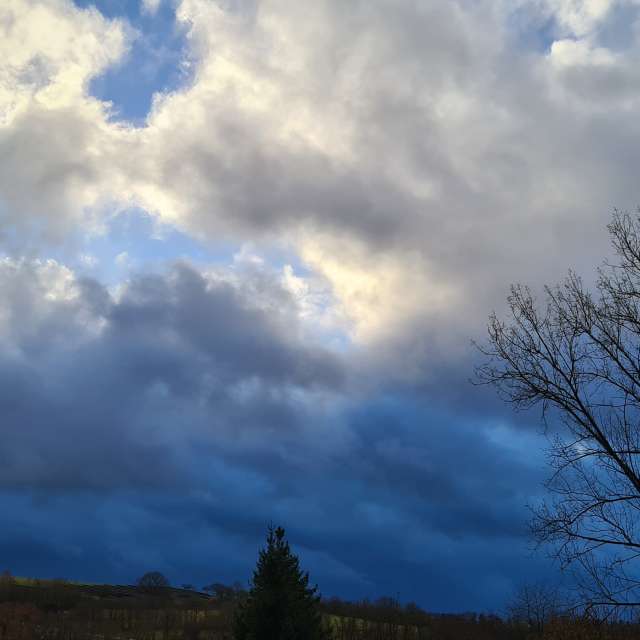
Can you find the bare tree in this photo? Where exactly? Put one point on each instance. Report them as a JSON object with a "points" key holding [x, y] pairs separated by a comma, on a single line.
{"points": [[6, 577], [534, 605], [579, 358], [220, 592], [153, 582]]}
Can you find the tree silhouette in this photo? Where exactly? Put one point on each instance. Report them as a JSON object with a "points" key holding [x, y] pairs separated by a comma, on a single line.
{"points": [[280, 604], [535, 605], [578, 357], [153, 581]]}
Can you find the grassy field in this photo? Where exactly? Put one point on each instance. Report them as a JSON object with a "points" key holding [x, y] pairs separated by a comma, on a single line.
{"points": [[63, 610], [34, 609]]}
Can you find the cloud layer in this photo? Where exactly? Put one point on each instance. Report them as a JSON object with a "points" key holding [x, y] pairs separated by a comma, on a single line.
{"points": [[177, 401], [409, 160]]}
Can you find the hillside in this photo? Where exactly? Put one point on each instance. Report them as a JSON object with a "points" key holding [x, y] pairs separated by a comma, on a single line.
{"points": [[33, 609]]}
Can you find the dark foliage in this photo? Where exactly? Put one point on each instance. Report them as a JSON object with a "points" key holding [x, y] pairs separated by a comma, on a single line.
{"points": [[280, 604], [153, 582], [535, 605], [224, 593], [111, 612], [6, 577]]}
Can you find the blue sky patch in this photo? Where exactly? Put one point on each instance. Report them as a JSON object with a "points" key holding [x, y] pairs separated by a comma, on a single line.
{"points": [[134, 240], [154, 63]]}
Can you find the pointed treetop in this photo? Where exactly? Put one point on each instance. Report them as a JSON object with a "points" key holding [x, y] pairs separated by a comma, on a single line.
{"points": [[280, 604]]}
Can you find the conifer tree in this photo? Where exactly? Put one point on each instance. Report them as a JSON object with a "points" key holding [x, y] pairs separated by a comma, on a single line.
{"points": [[280, 604]]}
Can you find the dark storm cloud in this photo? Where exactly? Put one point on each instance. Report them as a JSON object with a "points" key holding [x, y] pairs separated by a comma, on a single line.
{"points": [[213, 324], [442, 520], [148, 409], [187, 411], [95, 379]]}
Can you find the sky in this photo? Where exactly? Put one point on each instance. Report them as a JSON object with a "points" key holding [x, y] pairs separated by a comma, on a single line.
{"points": [[245, 247]]}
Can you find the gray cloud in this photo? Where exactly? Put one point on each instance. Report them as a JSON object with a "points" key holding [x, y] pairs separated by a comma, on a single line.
{"points": [[417, 158], [185, 412], [432, 131], [91, 377]]}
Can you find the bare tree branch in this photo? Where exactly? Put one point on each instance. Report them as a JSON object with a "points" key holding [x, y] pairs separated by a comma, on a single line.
{"points": [[578, 357]]}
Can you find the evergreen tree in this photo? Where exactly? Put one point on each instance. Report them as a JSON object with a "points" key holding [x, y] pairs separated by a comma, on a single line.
{"points": [[280, 604]]}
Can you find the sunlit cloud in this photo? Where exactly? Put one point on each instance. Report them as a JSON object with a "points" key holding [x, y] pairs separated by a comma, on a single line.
{"points": [[279, 268]]}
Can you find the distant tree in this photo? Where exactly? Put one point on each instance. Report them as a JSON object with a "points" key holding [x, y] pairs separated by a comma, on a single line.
{"points": [[153, 581], [223, 592], [6, 577], [280, 604], [215, 589], [412, 608], [578, 357], [534, 605], [238, 590]]}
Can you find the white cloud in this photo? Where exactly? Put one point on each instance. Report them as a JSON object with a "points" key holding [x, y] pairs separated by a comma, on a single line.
{"points": [[122, 260], [376, 292], [34, 293], [150, 6], [579, 52], [49, 52], [55, 140], [88, 260], [410, 153], [580, 17]]}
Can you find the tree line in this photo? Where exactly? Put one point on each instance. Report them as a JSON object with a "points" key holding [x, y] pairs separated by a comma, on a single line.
{"points": [[280, 604]]}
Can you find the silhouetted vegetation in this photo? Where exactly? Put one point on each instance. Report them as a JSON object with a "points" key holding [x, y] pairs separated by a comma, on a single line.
{"points": [[224, 593], [153, 582], [280, 603], [59, 610], [535, 605], [578, 357]]}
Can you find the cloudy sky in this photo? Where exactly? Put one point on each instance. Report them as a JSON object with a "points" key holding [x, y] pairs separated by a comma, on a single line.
{"points": [[244, 248]]}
